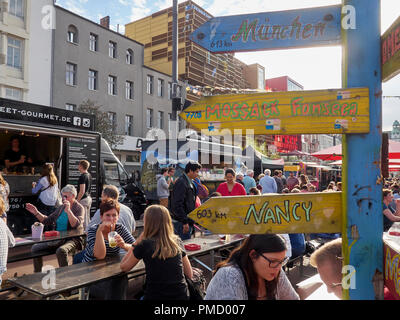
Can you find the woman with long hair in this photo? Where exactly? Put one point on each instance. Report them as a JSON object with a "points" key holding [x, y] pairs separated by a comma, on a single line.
{"points": [[390, 214], [165, 260], [253, 271], [48, 188], [303, 180], [231, 187], [4, 192]]}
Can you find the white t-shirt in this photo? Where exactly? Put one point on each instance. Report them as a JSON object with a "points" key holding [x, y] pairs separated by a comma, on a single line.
{"points": [[48, 196]]}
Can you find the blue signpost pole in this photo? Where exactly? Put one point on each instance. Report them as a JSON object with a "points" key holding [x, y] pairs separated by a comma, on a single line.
{"points": [[363, 198]]}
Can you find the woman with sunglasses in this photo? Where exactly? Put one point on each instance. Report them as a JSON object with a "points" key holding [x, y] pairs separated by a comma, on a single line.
{"points": [[253, 271]]}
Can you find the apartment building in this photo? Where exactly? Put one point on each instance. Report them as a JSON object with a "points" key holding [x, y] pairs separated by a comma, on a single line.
{"points": [[195, 64]]}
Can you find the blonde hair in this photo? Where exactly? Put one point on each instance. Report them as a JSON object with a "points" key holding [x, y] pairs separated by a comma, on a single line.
{"points": [[2, 181], [47, 171], [158, 227], [2, 206], [330, 252]]}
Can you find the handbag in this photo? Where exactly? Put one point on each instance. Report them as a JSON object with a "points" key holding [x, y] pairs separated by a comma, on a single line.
{"points": [[196, 285]]}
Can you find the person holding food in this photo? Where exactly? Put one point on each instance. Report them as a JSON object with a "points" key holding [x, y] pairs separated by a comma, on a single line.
{"points": [[68, 216], [105, 240], [15, 158]]}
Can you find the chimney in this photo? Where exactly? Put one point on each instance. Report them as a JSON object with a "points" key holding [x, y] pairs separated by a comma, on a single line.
{"points": [[105, 22]]}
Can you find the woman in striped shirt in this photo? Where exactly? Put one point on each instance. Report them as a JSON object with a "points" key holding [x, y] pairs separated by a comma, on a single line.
{"points": [[98, 248]]}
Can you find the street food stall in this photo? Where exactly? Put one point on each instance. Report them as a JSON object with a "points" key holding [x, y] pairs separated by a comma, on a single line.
{"points": [[391, 262], [214, 158], [45, 135]]}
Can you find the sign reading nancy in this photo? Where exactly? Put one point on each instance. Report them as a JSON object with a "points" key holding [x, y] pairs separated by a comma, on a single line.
{"points": [[28, 112], [296, 112], [271, 30], [273, 213]]}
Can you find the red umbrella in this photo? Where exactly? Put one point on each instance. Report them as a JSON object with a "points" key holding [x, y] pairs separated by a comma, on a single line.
{"points": [[335, 152], [332, 153]]}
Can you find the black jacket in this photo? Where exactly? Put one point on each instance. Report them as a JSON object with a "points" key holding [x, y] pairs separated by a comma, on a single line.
{"points": [[183, 200]]}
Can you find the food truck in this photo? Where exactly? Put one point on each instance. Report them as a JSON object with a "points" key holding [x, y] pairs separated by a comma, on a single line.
{"points": [[59, 137], [214, 158]]}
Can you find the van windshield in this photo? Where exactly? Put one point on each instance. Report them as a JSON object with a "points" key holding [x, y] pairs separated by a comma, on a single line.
{"points": [[114, 173]]}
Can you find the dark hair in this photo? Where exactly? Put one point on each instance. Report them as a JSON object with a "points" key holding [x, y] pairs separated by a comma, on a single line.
{"points": [[15, 137], [111, 191], [215, 194], [276, 172], [254, 191], [171, 169], [304, 187], [231, 171], [192, 166], [108, 205], [260, 243], [164, 170]]}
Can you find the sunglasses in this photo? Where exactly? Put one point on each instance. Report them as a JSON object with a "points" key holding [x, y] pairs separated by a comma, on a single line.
{"points": [[275, 263]]}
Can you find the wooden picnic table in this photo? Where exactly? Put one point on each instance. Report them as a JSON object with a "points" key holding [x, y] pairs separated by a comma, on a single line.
{"points": [[22, 249], [82, 275]]}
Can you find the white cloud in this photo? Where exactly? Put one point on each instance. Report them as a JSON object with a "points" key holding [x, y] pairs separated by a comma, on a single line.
{"points": [[76, 7]]}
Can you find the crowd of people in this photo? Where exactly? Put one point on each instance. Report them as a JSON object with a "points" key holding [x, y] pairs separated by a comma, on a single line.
{"points": [[252, 271]]}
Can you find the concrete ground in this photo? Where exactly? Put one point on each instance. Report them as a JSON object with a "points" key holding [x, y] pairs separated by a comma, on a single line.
{"points": [[135, 285]]}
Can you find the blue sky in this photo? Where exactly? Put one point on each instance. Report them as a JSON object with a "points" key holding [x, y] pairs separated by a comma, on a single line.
{"points": [[315, 61]]}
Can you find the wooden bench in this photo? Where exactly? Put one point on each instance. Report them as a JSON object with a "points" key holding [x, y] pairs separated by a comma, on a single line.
{"points": [[83, 275]]}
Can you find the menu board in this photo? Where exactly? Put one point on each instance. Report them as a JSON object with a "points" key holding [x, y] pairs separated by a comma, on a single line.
{"points": [[84, 149]]}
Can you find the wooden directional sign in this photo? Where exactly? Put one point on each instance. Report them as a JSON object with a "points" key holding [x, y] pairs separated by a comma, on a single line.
{"points": [[291, 213], [271, 30], [390, 45], [295, 112]]}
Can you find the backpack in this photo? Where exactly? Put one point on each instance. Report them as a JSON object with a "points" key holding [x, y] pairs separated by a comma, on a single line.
{"points": [[196, 285]]}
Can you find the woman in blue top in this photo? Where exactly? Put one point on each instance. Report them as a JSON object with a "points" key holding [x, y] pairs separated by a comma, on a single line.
{"points": [[389, 215], [66, 217]]}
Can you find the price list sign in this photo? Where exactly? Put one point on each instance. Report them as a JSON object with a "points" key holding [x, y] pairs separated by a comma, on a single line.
{"points": [[83, 149]]}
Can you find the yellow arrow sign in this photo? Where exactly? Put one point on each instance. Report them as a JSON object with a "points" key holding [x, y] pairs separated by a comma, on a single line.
{"points": [[295, 112], [291, 213]]}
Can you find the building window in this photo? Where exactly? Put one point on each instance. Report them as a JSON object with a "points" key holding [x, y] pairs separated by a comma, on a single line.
{"points": [[129, 56], [112, 49], [72, 34], [149, 118], [169, 90], [112, 116], [14, 94], [149, 83], [129, 90], [71, 74], [160, 87], [92, 42], [92, 79], [70, 107], [160, 120], [112, 85], [14, 50], [129, 125], [16, 8]]}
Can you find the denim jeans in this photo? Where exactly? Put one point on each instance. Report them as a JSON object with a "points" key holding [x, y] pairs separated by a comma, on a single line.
{"points": [[178, 228]]}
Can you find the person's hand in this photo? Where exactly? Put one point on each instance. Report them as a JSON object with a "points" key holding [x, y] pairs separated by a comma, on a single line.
{"points": [[22, 159], [31, 208], [186, 228], [120, 241], [105, 226], [67, 205], [33, 184]]}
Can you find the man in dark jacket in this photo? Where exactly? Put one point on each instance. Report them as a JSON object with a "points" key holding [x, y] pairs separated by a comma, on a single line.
{"points": [[279, 182], [183, 200]]}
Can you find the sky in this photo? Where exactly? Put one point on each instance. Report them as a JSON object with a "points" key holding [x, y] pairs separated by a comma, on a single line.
{"points": [[314, 68]]}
